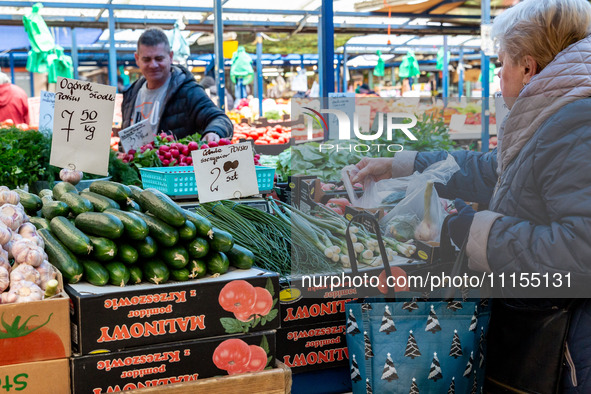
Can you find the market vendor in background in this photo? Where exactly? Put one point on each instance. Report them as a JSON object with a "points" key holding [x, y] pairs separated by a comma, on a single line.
{"points": [[14, 103], [169, 96], [538, 190]]}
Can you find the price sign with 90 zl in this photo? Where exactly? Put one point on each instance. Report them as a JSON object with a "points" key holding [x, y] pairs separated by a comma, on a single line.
{"points": [[82, 124]]}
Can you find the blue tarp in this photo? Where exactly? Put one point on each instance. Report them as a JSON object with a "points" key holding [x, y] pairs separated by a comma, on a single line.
{"points": [[15, 37]]}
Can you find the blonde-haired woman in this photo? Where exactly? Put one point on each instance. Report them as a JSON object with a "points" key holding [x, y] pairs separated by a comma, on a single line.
{"points": [[537, 185]]}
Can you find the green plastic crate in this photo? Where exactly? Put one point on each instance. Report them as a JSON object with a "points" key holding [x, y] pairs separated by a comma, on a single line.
{"points": [[180, 181]]}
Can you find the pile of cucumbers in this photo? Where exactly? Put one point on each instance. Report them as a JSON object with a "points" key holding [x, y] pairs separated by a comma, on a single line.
{"points": [[119, 234]]}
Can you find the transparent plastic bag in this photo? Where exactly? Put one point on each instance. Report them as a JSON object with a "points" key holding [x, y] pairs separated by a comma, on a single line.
{"points": [[422, 197], [375, 194]]}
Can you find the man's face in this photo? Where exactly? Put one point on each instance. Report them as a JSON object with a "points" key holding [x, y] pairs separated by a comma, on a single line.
{"points": [[154, 63]]}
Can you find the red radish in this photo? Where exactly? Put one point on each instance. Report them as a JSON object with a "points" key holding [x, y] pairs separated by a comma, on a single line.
{"points": [[186, 151], [183, 164], [224, 141], [170, 138], [130, 157], [131, 152], [189, 160], [164, 148], [174, 152], [257, 156], [167, 155], [163, 135], [212, 144], [204, 146], [193, 146], [165, 162]]}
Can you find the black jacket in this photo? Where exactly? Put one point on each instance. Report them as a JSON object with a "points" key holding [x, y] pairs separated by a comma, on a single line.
{"points": [[187, 109]]}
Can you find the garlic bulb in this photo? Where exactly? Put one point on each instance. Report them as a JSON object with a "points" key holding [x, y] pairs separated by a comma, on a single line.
{"points": [[9, 197], [5, 233], [24, 272], [25, 291], [27, 230], [27, 252], [8, 298], [12, 216], [4, 279], [70, 176], [4, 260], [46, 273]]}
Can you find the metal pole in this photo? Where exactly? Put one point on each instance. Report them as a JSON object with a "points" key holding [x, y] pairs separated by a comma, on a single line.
{"points": [[327, 24], [485, 11], [319, 65], [260, 72], [337, 73], [218, 29], [74, 52], [461, 73], [112, 50], [445, 71], [345, 71], [11, 59], [32, 83]]}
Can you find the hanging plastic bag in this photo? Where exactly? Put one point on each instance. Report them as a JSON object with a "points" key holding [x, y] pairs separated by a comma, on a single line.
{"points": [[40, 37], [378, 70], [178, 44], [300, 82], [60, 65], [409, 66], [241, 67]]}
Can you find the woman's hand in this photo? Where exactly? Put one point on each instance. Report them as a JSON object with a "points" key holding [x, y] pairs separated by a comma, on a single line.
{"points": [[210, 137], [378, 168]]}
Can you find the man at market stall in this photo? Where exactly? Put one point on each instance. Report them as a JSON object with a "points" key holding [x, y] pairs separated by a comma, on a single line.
{"points": [[537, 186], [14, 103], [168, 95]]}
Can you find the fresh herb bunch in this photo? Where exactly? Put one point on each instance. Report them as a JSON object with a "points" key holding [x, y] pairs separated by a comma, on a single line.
{"points": [[24, 158]]}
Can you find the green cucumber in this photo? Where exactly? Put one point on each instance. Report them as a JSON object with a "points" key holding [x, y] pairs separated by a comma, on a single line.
{"points": [[74, 239], [76, 203], [181, 275], [113, 190], [162, 206], [217, 263], [160, 231], [135, 275], [63, 187], [100, 224], [175, 257], [155, 271], [61, 257], [38, 222], [99, 202], [127, 254], [198, 268], [134, 227], [203, 225], [146, 248], [118, 273], [52, 209], [198, 248], [135, 192], [188, 231], [103, 249], [222, 241], [30, 202], [240, 257], [45, 192], [95, 273], [47, 198], [131, 206]]}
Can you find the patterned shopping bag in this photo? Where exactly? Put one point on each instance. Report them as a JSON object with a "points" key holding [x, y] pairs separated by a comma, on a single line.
{"points": [[417, 346]]}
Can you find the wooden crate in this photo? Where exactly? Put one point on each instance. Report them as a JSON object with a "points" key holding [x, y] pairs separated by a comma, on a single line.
{"points": [[271, 381]]}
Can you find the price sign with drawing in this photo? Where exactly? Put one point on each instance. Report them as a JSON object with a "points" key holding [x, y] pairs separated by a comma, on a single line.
{"points": [[225, 172], [136, 136], [46, 109], [82, 122]]}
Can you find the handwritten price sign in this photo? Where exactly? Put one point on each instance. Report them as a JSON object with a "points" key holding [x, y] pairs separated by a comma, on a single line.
{"points": [[82, 123], [225, 172], [136, 136]]}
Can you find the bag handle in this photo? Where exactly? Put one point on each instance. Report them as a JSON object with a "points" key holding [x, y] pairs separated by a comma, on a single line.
{"points": [[375, 228], [447, 253]]}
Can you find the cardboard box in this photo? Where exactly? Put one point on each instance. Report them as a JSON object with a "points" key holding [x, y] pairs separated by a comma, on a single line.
{"points": [[295, 185], [47, 377], [113, 318], [40, 330], [313, 346], [427, 251], [304, 311], [270, 381], [169, 363]]}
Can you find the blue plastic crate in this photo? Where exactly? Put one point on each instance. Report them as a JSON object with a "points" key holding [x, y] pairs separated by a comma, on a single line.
{"points": [[180, 181]]}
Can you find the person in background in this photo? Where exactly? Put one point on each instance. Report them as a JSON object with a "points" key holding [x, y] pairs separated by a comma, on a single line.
{"points": [[14, 102], [120, 85], [209, 83], [537, 185], [169, 96]]}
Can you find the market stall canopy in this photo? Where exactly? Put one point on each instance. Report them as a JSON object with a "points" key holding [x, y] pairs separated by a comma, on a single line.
{"points": [[15, 37], [401, 44]]}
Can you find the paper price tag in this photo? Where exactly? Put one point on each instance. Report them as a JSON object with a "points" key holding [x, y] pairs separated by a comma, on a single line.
{"points": [[82, 124], [225, 172], [46, 110], [136, 136]]}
